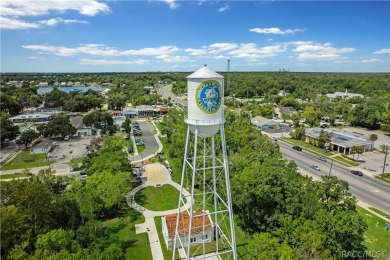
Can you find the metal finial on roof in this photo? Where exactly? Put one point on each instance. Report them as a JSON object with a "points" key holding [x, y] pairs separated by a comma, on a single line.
{"points": [[205, 65]]}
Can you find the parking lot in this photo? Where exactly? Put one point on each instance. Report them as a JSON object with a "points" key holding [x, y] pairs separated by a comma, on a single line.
{"points": [[65, 151]]}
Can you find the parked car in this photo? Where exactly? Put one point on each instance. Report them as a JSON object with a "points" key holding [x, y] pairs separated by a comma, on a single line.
{"points": [[139, 143], [358, 173], [315, 167], [83, 173], [66, 138], [295, 147], [137, 132], [274, 138], [321, 158]]}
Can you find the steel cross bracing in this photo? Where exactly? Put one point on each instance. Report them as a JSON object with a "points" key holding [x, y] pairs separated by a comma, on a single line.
{"points": [[205, 175]]}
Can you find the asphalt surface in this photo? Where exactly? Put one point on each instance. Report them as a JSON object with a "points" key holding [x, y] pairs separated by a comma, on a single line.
{"points": [[166, 92], [151, 145], [366, 188]]}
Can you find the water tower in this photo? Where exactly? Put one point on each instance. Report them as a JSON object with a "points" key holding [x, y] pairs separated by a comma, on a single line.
{"points": [[204, 227]]}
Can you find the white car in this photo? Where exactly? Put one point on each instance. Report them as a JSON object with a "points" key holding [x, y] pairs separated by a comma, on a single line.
{"points": [[315, 167], [66, 138]]}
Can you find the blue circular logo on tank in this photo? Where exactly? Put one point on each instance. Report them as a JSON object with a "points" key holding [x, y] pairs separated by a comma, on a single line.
{"points": [[208, 96]]}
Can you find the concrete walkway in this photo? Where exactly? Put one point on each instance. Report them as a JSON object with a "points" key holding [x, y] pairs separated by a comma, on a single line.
{"points": [[149, 226]]}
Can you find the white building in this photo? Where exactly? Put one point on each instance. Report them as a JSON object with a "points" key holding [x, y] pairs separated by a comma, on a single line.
{"points": [[202, 228], [343, 95]]}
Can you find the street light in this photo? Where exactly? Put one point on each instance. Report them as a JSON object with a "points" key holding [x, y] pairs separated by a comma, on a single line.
{"points": [[331, 165]]}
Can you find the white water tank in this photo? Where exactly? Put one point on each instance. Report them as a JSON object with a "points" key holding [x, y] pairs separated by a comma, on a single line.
{"points": [[205, 102]]}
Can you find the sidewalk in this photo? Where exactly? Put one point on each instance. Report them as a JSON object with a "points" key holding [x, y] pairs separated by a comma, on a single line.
{"points": [[60, 169], [149, 226]]}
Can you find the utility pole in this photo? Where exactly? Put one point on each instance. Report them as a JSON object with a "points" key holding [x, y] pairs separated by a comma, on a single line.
{"points": [[386, 149], [331, 165], [228, 72]]}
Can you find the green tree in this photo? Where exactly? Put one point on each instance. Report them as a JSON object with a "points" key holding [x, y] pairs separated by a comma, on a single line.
{"points": [[7, 129], [357, 150], [312, 116], [56, 98], [127, 125], [296, 117], [373, 137], [98, 119], [323, 139], [27, 137], [264, 246], [298, 133], [59, 125], [55, 241]]}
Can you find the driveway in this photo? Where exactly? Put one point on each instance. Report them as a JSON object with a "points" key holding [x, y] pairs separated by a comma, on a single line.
{"points": [[151, 144], [373, 161]]}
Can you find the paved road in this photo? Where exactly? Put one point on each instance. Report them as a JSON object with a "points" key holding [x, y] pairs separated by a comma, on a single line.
{"points": [[166, 92], [366, 188], [151, 145]]}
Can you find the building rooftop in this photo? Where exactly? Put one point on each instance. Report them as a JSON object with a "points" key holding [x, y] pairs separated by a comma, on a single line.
{"points": [[343, 95], [340, 137], [287, 110], [261, 121], [198, 219]]}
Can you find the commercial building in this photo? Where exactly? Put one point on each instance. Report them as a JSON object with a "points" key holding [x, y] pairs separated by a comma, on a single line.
{"points": [[265, 124], [341, 141]]}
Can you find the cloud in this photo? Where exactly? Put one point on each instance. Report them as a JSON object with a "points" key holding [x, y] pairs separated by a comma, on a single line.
{"points": [[360, 61], [153, 51], [55, 21], [251, 51], [99, 50], [224, 8], [221, 47], [275, 30], [36, 58], [12, 11], [9, 23], [167, 58], [321, 52], [371, 61], [113, 62], [382, 51], [196, 52], [172, 4]]}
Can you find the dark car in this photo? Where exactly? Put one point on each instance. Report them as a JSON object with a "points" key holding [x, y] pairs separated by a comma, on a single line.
{"points": [[297, 148], [358, 173], [83, 173]]}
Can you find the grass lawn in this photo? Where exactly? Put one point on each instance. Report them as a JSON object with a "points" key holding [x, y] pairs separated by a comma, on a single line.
{"points": [[77, 160], [176, 163], [319, 151], [376, 237], [124, 229], [26, 160], [386, 177], [380, 213], [165, 197], [140, 148], [12, 176], [308, 146], [345, 161]]}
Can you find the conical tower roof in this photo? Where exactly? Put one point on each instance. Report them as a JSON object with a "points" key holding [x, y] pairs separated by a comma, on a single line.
{"points": [[205, 73]]}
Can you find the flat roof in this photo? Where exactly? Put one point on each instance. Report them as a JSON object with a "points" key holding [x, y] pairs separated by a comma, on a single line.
{"points": [[340, 137]]}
